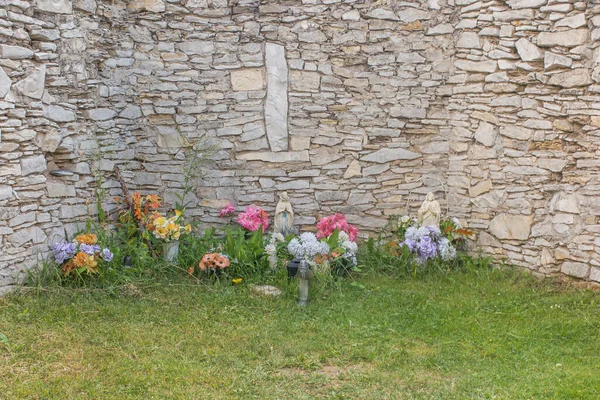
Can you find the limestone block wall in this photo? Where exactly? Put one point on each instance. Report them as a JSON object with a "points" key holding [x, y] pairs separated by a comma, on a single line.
{"points": [[525, 115], [352, 106]]}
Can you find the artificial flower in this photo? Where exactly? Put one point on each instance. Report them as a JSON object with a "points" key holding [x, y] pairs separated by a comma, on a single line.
{"points": [[107, 255], [307, 246], [327, 225], [64, 251], [227, 210], [253, 218], [88, 238], [90, 250], [214, 261]]}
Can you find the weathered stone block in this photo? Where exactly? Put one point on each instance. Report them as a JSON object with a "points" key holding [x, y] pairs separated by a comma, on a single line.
{"points": [[280, 157], [247, 79], [353, 170], [30, 165], [555, 61], [5, 192], [576, 269], [570, 79], [511, 227], [486, 134], [408, 112], [34, 234], [380, 13], [468, 40], [476, 66], [304, 81], [55, 6], [330, 195], [15, 52], [516, 132], [100, 114], [520, 4], [131, 112], [156, 6], [169, 137], [86, 5], [513, 15], [59, 114], [5, 83], [569, 38], [387, 154], [528, 51], [197, 47], [57, 188], [480, 188]]}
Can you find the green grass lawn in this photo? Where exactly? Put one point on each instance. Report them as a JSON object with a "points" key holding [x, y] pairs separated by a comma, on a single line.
{"points": [[462, 335]]}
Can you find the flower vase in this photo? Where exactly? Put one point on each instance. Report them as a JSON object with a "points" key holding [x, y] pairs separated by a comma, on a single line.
{"points": [[292, 267], [170, 250]]}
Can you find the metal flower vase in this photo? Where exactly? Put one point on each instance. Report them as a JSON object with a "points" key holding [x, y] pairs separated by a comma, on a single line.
{"points": [[170, 250]]}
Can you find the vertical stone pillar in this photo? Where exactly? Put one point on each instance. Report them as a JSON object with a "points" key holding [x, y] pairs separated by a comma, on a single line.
{"points": [[276, 105]]}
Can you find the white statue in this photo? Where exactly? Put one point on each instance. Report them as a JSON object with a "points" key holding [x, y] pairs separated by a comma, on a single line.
{"points": [[430, 211], [284, 215]]}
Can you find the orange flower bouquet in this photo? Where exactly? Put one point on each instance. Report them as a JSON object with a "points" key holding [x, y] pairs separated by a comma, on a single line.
{"points": [[83, 255], [212, 263]]}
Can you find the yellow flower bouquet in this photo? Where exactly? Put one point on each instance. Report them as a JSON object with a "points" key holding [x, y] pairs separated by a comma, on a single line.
{"points": [[168, 229]]}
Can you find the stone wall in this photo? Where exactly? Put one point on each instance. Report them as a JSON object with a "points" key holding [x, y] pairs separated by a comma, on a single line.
{"points": [[526, 115], [360, 107]]}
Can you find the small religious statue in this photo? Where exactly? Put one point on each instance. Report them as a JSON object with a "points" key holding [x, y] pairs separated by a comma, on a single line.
{"points": [[284, 216], [430, 211]]}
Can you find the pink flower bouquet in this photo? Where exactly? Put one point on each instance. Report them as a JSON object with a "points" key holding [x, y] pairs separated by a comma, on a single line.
{"points": [[327, 225], [227, 210], [253, 218]]}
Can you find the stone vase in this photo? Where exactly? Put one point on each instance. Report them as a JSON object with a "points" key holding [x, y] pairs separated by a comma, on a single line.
{"points": [[170, 251]]}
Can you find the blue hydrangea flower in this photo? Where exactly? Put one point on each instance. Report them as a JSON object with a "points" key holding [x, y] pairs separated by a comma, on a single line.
{"points": [[107, 255], [64, 251], [447, 251], [434, 231], [89, 249], [307, 246], [411, 234], [427, 248], [411, 244]]}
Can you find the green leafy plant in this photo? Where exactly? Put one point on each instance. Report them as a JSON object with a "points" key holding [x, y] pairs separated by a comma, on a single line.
{"points": [[4, 341], [197, 156], [246, 252]]}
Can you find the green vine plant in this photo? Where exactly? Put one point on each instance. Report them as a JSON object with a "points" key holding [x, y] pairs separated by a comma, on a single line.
{"points": [[198, 155]]}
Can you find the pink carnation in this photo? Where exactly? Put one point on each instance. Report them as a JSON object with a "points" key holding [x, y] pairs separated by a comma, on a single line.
{"points": [[227, 210], [327, 225], [253, 218]]}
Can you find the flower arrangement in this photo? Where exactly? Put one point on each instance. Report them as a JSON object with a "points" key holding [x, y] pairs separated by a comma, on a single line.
{"points": [[404, 223], [168, 229], [342, 256], [327, 225], [82, 255], [349, 248], [227, 210], [427, 243], [143, 206], [214, 262], [272, 249], [307, 247], [253, 218], [453, 230]]}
